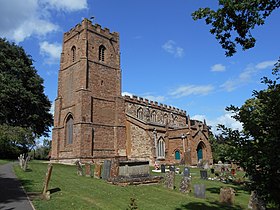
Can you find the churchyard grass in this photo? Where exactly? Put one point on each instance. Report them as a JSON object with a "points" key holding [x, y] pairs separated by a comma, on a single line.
{"points": [[69, 191], [2, 161]]}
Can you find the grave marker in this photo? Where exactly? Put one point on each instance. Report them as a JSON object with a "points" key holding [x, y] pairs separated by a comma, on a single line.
{"points": [[227, 195], [106, 170], [199, 190], [169, 180], [185, 185], [46, 182]]}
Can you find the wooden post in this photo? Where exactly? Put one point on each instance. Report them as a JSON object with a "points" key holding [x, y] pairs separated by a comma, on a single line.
{"points": [[47, 179]]}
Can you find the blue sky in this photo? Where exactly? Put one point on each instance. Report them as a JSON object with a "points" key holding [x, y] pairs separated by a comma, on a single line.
{"points": [[165, 55]]}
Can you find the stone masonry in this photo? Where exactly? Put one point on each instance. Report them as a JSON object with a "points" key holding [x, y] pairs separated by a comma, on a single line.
{"points": [[92, 121]]}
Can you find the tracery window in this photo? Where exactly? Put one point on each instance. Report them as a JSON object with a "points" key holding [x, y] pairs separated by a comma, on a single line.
{"points": [[161, 148]]}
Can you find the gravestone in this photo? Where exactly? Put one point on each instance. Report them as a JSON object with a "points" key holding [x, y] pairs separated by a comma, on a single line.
{"points": [[114, 167], [227, 195], [46, 194], [185, 185], [21, 160], [203, 174], [97, 170], [199, 190], [255, 203], [162, 168], [172, 168], [186, 172], [106, 170], [88, 170], [169, 180], [25, 163], [79, 168]]}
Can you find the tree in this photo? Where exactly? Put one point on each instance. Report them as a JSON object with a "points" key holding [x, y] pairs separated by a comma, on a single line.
{"points": [[236, 19], [22, 99], [258, 145]]}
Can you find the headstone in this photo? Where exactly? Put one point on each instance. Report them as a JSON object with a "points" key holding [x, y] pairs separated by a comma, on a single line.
{"points": [[172, 168], [25, 163], [88, 170], [114, 167], [203, 174], [79, 168], [255, 203], [227, 195], [46, 182], [185, 185], [97, 170], [106, 170], [21, 160], [220, 162], [186, 172], [200, 163], [199, 190], [169, 180], [206, 165], [162, 168]]}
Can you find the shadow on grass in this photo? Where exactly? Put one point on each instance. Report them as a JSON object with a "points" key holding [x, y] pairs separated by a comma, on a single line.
{"points": [[54, 190], [203, 206], [237, 189]]}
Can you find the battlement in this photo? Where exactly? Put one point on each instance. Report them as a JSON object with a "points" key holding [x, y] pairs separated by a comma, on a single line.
{"points": [[87, 24], [154, 104]]}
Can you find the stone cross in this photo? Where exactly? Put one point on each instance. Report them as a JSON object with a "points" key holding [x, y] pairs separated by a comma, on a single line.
{"points": [[47, 180]]}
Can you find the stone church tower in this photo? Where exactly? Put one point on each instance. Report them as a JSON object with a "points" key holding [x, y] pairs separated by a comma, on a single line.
{"points": [[89, 110]]}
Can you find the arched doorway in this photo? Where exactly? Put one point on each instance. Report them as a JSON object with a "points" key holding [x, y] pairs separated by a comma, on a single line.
{"points": [[199, 150], [177, 155]]}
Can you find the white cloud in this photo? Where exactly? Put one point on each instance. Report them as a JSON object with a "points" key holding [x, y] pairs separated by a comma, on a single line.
{"points": [[171, 47], [265, 64], [225, 119], [155, 98], [246, 75], [22, 19], [218, 67], [66, 5], [127, 94], [50, 51], [192, 90]]}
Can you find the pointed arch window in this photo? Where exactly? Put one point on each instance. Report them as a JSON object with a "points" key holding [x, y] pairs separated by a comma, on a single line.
{"points": [[73, 53], [69, 129], [161, 149], [153, 116], [140, 114], [102, 53]]}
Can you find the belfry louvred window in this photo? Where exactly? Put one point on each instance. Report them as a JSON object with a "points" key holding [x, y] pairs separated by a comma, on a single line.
{"points": [[102, 53]]}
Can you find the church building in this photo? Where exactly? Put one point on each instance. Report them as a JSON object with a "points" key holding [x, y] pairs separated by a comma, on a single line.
{"points": [[94, 122]]}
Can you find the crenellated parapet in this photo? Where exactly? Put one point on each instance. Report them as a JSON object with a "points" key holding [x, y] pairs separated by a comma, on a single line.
{"points": [[154, 112], [87, 24]]}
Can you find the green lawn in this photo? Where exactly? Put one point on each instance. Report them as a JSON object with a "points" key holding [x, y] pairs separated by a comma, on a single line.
{"points": [[4, 161], [69, 191]]}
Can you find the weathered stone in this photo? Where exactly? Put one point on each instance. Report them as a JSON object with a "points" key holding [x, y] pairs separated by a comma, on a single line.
{"points": [[185, 185], [169, 180], [227, 195], [114, 167], [79, 168], [106, 169], [88, 170], [199, 190], [97, 170]]}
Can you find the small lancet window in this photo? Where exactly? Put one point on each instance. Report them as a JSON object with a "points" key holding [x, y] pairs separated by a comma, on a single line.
{"points": [[102, 53], [140, 114], [73, 52]]}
